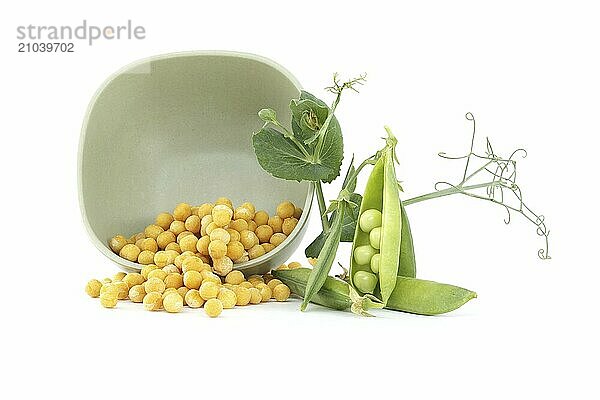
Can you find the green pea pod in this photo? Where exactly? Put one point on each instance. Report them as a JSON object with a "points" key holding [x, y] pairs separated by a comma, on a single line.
{"points": [[334, 293], [396, 246], [412, 295], [326, 256]]}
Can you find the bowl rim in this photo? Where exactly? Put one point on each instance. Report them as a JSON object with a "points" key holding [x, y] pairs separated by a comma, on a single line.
{"points": [[103, 247]]}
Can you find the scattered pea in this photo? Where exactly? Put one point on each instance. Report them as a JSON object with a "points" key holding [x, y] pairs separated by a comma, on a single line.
{"points": [[118, 276], [108, 300], [208, 290], [192, 279], [227, 298], [152, 301], [137, 293], [246, 285], [174, 280], [192, 263], [242, 295], [281, 292], [173, 302], [182, 235], [234, 277], [209, 276], [146, 269], [252, 226], [193, 299], [272, 283], [213, 307], [122, 290], [154, 285], [132, 279], [92, 288], [183, 291], [224, 201], [294, 265], [255, 295], [157, 273], [222, 266]]}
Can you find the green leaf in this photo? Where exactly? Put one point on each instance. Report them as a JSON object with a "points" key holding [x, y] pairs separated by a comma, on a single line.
{"points": [[348, 227], [333, 145], [280, 157], [268, 115], [309, 116]]}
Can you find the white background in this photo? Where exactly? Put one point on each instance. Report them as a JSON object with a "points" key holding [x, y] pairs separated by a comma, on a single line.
{"points": [[529, 73]]}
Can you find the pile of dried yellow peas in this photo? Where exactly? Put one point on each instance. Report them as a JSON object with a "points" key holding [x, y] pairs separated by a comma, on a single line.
{"points": [[188, 282], [217, 233]]}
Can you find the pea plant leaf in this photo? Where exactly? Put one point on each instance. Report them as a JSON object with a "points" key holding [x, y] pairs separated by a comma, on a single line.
{"points": [[282, 158], [308, 116]]}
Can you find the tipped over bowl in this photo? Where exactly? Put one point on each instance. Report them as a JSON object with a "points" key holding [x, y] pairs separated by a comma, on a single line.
{"points": [[178, 128]]}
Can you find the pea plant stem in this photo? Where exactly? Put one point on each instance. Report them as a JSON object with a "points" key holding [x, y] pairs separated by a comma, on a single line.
{"points": [[447, 192], [322, 206]]}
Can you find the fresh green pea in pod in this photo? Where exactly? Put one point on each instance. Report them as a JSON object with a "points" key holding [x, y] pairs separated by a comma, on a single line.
{"points": [[383, 225], [411, 295]]}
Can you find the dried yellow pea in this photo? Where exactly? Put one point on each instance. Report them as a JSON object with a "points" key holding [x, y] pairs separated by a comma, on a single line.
{"points": [[227, 298], [92, 288], [152, 301], [281, 292], [173, 303], [137, 293], [182, 211], [193, 299], [213, 308]]}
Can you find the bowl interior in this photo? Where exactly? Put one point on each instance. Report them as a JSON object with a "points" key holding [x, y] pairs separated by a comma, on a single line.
{"points": [[178, 129]]}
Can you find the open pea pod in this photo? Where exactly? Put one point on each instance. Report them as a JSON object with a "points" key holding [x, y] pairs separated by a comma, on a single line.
{"points": [[396, 252]]}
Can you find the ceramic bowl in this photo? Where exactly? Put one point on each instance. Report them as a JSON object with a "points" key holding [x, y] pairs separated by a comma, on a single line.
{"points": [[177, 128]]}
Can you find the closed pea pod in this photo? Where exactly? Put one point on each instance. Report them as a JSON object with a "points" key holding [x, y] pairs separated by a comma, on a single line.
{"points": [[411, 295]]}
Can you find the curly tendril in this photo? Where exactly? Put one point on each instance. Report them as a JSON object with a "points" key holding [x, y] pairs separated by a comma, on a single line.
{"points": [[494, 180]]}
